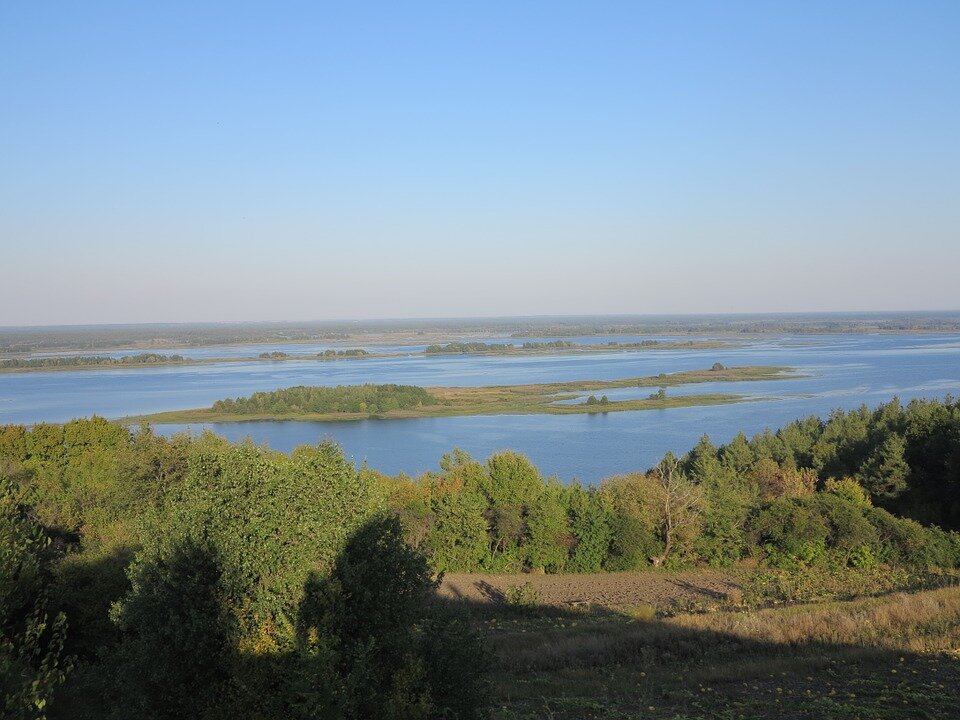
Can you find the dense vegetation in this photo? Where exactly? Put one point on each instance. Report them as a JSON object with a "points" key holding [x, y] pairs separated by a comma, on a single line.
{"points": [[372, 399], [90, 361], [200, 579], [814, 493], [187, 577]]}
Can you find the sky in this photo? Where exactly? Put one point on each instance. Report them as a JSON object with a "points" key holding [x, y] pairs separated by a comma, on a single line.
{"points": [[185, 161]]}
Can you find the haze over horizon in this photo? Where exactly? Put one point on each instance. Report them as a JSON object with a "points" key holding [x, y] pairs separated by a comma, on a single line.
{"points": [[443, 320], [176, 163]]}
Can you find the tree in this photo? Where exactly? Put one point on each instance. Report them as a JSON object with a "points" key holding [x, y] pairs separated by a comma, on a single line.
{"points": [[726, 503], [32, 662], [737, 454], [458, 540], [550, 533], [679, 502], [179, 634], [775, 481], [590, 525], [385, 648], [885, 472], [632, 521], [511, 486]]}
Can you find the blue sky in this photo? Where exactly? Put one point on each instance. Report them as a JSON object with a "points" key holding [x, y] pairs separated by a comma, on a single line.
{"points": [[279, 161]]}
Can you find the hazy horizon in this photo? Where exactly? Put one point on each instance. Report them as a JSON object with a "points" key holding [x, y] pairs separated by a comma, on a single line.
{"points": [[652, 318], [225, 163]]}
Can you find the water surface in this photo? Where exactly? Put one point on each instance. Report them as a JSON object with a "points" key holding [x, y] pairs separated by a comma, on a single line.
{"points": [[842, 372]]}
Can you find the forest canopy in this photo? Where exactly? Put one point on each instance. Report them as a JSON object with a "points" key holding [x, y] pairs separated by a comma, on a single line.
{"points": [[371, 399]]}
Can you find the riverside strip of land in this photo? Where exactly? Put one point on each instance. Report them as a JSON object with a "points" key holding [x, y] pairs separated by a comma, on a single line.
{"points": [[154, 360], [319, 404]]}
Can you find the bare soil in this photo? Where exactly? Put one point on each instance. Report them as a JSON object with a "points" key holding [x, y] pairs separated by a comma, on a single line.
{"points": [[613, 590]]}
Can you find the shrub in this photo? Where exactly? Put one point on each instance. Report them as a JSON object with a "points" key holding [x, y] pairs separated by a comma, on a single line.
{"points": [[790, 533], [522, 596]]}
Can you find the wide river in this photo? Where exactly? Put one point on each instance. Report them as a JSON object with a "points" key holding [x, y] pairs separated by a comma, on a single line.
{"points": [[841, 372]]}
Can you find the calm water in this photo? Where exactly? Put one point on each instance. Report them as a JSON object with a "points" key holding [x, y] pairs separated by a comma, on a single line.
{"points": [[843, 372]]}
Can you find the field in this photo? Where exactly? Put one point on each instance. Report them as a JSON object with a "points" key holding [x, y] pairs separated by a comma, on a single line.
{"points": [[687, 645]]}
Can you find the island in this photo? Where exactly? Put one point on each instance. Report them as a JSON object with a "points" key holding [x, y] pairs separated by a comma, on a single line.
{"points": [[360, 402]]}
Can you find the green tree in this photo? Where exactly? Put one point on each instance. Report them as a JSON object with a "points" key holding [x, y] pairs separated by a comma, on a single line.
{"points": [[386, 649], [458, 540], [32, 661], [590, 524], [179, 635], [633, 540], [885, 472], [550, 534]]}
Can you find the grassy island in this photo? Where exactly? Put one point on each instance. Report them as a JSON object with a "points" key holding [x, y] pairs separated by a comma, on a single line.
{"points": [[358, 402], [567, 346], [88, 362]]}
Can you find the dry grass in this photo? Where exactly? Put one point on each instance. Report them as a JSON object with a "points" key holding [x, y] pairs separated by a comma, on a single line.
{"points": [[918, 622], [890, 657], [921, 622]]}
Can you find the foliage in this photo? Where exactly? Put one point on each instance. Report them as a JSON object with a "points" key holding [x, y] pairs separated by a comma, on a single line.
{"points": [[32, 661], [459, 348], [370, 399], [523, 596], [179, 634], [256, 565], [71, 361]]}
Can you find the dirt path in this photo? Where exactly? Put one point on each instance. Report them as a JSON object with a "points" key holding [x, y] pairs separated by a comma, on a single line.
{"points": [[614, 590]]}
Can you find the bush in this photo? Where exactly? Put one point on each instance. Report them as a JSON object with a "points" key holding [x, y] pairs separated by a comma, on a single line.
{"points": [[522, 596], [790, 533]]}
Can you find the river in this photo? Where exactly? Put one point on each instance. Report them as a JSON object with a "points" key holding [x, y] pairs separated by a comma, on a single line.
{"points": [[842, 371]]}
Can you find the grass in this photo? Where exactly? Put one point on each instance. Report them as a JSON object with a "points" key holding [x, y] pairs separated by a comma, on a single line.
{"points": [[521, 399], [894, 656]]}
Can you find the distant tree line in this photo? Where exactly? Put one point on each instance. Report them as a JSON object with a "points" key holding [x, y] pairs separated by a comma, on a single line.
{"points": [[87, 360], [553, 345], [329, 354], [371, 399], [353, 352], [459, 348]]}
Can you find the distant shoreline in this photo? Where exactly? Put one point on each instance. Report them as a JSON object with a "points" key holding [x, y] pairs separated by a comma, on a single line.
{"points": [[19, 342], [516, 350]]}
